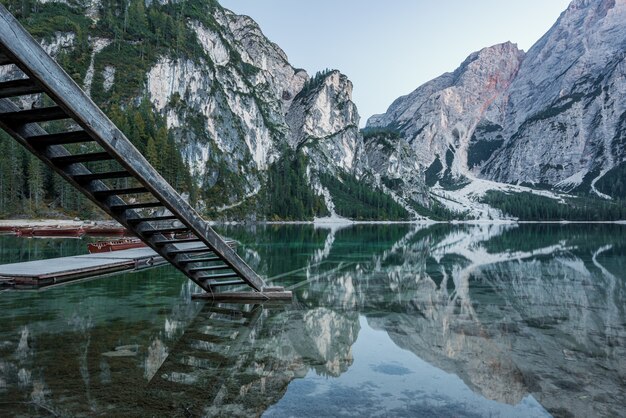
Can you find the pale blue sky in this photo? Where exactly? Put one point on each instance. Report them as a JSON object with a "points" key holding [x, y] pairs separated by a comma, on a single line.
{"points": [[389, 48]]}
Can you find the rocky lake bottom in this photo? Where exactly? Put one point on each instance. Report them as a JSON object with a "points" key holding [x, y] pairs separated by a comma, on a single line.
{"points": [[387, 320]]}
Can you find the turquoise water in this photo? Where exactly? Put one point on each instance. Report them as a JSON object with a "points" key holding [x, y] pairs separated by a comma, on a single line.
{"points": [[387, 320]]}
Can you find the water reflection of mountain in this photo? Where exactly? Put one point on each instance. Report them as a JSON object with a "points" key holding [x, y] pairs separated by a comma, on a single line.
{"points": [[237, 361], [511, 309]]}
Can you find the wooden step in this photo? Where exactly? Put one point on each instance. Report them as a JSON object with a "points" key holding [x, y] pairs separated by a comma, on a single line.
{"points": [[176, 241], [16, 88], [144, 205], [137, 221], [5, 60], [198, 260], [62, 138], [196, 250], [173, 230], [224, 283], [190, 250], [81, 158], [86, 178], [217, 276], [101, 194], [209, 268], [43, 114]]}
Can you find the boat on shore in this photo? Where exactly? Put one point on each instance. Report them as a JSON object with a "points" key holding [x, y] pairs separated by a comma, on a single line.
{"points": [[50, 231], [116, 245]]}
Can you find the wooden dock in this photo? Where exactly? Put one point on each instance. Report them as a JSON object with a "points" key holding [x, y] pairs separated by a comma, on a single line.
{"points": [[41, 273]]}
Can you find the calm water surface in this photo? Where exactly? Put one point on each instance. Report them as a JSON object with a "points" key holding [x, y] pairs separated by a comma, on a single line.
{"points": [[387, 320]]}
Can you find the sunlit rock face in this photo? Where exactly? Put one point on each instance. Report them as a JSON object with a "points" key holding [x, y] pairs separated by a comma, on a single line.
{"points": [[565, 113], [325, 122], [440, 117], [553, 115]]}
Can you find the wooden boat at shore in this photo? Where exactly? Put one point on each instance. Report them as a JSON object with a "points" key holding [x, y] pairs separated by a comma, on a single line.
{"points": [[50, 231], [117, 245]]}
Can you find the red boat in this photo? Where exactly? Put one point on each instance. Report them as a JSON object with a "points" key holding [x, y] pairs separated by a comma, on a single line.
{"points": [[60, 231], [108, 246], [50, 231]]}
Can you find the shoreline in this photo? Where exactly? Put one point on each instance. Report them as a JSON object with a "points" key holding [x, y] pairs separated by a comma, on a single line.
{"points": [[335, 222]]}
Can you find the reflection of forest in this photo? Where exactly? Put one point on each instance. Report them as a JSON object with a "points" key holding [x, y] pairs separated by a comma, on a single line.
{"points": [[512, 310]]}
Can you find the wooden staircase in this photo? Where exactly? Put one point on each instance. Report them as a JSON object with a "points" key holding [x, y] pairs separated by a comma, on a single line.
{"points": [[133, 192]]}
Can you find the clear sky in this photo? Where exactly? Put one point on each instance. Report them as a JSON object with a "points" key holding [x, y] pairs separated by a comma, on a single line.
{"points": [[390, 47]]}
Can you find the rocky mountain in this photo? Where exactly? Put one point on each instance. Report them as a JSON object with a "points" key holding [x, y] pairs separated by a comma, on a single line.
{"points": [[230, 122], [439, 118], [552, 116], [243, 119]]}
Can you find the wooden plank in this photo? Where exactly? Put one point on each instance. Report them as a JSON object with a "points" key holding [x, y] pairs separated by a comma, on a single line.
{"points": [[4, 59], [225, 283], [43, 114], [144, 205], [86, 178], [199, 260], [46, 272], [81, 158], [152, 219], [158, 230], [208, 268], [16, 88], [62, 138], [176, 241], [244, 297], [119, 192], [217, 276]]}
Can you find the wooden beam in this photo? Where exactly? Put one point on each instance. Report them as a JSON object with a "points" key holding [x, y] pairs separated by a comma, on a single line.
{"points": [[199, 260], [119, 192], [81, 158], [86, 178], [43, 114], [153, 219], [216, 276], [158, 230], [176, 241], [62, 138], [225, 283], [132, 206], [208, 268], [16, 88], [4, 59]]}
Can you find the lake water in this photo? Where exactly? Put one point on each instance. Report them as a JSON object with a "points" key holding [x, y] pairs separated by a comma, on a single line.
{"points": [[387, 320]]}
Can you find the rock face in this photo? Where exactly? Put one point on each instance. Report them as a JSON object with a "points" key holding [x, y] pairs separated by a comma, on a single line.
{"points": [[566, 114], [229, 96], [395, 163], [325, 123], [554, 115], [439, 118], [237, 98]]}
